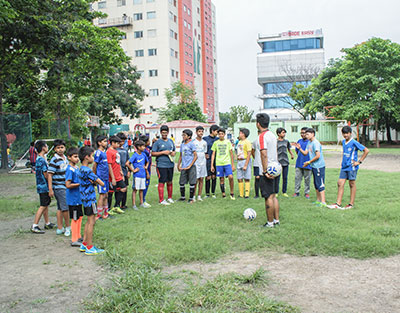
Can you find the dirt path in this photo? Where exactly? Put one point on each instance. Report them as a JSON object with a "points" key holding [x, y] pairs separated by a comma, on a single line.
{"points": [[317, 284], [42, 273]]}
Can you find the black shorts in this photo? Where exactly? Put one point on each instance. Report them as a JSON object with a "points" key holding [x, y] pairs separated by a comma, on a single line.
{"points": [[209, 173], [269, 186], [126, 181], [44, 199], [91, 210], [75, 212], [165, 175], [119, 185]]}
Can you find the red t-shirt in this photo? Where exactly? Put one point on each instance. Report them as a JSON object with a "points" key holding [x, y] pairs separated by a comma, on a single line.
{"points": [[114, 159]]}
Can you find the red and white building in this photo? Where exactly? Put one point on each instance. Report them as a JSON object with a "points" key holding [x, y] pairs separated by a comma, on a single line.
{"points": [[168, 40]]}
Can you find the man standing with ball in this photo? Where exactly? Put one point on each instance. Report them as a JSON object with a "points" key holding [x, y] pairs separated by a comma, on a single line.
{"points": [[268, 184]]}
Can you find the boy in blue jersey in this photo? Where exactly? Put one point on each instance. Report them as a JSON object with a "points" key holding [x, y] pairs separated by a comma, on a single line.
{"points": [[147, 152], [73, 196], [100, 168], [87, 180], [317, 163], [58, 165], [186, 166], [138, 164], [42, 188], [302, 172], [211, 179], [350, 165]]}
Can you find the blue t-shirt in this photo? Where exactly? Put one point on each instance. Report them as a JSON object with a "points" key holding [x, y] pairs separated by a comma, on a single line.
{"points": [[164, 161], [41, 182], [350, 150], [100, 157], [187, 150], [73, 194], [139, 161], [58, 165], [301, 158], [86, 187], [210, 141], [313, 147]]}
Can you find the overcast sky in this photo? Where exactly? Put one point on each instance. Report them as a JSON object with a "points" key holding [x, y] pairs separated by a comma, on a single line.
{"points": [[344, 23]]}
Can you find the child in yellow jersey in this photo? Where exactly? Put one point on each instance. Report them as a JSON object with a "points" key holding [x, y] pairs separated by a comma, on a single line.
{"points": [[244, 163], [222, 153]]}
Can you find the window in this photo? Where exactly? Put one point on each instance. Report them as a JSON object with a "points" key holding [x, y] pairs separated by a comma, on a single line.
{"points": [[188, 12], [176, 36], [171, 33], [141, 73], [138, 34], [273, 103], [282, 87], [139, 53], [152, 52], [153, 73], [102, 4], [177, 74], [137, 1], [171, 15], [151, 33], [173, 73], [184, 23], [137, 16], [292, 44], [294, 129], [152, 109], [151, 15], [123, 36], [176, 54], [121, 3], [172, 52], [102, 21], [153, 92], [189, 26], [184, 8], [175, 19]]}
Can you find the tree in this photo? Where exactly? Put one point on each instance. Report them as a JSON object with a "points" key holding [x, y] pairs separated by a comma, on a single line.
{"points": [[182, 104], [224, 119], [241, 114]]}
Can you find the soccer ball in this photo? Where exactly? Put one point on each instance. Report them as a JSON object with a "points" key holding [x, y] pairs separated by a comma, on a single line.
{"points": [[249, 214], [274, 169]]}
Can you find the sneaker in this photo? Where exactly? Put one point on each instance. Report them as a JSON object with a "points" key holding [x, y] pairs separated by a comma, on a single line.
{"points": [[207, 196], [117, 210], [317, 203], [334, 206], [199, 198], [75, 244], [246, 197], [67, 232], [277, 223], [191, 201], [99, 250], [60, 231], [111, 213], [194, 199], [49, 226], [147, 205], [233, 197], [285, 195], [170, 200], [322, 205], [82, 248], [124, 207], [37, 230], [80, 240], [276, 195], [91, 251], [347, 207], [307, 196], [105, 216], [214, 196], [98, 217], [135, 208], [256, 197], [182, 199], [266, 225], [164, 202], [296, 195]]}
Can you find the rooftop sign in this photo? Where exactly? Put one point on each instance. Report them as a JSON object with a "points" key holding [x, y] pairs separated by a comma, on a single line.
{"points": [[299, 33]]}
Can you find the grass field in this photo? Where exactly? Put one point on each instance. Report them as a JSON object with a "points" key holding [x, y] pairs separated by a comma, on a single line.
{"points": [[140, 243]]}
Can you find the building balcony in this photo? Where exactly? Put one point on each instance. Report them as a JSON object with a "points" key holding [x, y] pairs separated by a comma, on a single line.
{"points": [[114, 22]]}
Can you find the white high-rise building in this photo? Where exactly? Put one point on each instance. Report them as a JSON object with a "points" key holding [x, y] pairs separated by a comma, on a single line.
{"points": [[287, 58], [168, 40]]}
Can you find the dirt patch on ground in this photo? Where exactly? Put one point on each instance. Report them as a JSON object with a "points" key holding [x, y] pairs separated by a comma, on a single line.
{"points": [[316, 284], [379, 162], [42, 273]]}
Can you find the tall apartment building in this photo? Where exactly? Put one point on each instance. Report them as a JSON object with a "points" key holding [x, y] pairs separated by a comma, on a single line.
{"points": [[287, 58], [168, 40]]}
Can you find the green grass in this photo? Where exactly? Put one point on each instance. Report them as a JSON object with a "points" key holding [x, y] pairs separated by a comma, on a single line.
{"points": [[395, 150]]}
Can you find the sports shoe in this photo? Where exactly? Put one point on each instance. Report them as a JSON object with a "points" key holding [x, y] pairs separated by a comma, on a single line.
{"points": [[334, 206], [191, 201], [307, 196], [75, 244], [170, 200], [214, 196], [322, 205], [135, 208], [349, 206], [99, 250], [266, 225], [199, 198], [67, 232], [37, 230], [317, 203], [233, 197], [98, 217], [49, 226], [147, 205], [164, 202], [256, 197], [246, 197], [118, 210], [60, 231], [80, 240], [91, 251], [111, 213], [124, 207], [82, 248], [295, 195], [207, 196], [277, 223], [285, 195], [182, 199]]}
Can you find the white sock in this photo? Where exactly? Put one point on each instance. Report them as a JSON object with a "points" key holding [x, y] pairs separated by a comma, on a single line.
{"points": [[48, 223], [35, 225]]}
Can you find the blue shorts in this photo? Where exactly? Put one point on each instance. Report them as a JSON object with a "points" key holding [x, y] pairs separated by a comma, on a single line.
{"points": [[349, 175], [319, 178], [105, 188], [224, 171]]}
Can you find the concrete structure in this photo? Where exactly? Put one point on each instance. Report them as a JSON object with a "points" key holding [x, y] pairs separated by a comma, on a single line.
{"points": [[168, 40], [287, 58]]}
